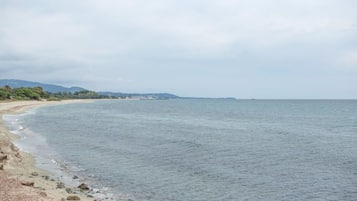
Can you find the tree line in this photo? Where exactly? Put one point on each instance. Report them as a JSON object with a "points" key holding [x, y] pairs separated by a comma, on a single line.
{"points": [[37, 93]]}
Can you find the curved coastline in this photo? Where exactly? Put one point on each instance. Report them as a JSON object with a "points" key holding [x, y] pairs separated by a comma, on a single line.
{"points": [[19, 176]]}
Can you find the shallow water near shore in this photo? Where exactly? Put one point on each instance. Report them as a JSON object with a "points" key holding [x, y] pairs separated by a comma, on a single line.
{"points": [[200, 149]]}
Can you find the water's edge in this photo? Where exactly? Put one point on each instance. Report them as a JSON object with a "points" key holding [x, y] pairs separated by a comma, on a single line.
{"points": [[48, 159]]}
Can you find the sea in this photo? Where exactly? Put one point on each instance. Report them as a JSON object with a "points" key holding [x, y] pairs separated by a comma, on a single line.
{"points": [[198, 149]]}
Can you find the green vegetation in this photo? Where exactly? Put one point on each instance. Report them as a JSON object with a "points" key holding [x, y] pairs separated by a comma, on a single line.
{"points": [[78, 95], [37, 93], [22, 93]]}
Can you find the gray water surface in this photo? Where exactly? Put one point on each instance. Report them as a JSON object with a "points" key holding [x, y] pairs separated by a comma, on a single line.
{"points": [[207, 150]]}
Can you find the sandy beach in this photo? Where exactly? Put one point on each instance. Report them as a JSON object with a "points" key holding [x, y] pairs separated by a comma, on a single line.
{"points": [[20, 180]]}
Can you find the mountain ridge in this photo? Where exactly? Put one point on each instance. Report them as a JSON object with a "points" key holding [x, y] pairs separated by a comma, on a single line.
{"points": [[52, 88]]}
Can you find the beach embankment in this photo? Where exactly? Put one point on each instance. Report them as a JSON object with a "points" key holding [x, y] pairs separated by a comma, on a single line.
{"points": [[19, 177]]}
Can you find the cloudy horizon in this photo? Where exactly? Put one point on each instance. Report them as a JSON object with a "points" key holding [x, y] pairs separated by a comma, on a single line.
{"points": [[243, 49]]}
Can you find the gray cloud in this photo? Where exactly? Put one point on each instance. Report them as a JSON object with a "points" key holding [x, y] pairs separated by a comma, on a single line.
{"points": [[262, 49]]}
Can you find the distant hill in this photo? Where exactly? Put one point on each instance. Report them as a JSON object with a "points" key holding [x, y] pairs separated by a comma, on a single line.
{"points": [[56, 88], [46, 87]]}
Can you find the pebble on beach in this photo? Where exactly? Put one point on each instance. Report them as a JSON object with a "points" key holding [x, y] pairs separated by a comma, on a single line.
{"points": [[73, 197], [46, 177], [70, 191], [35, 174], [84, 187], [3, 157], [60, 185], [27, 183]]}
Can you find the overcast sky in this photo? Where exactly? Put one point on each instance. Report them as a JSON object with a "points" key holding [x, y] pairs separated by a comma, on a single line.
{"points": [[212, 48]]}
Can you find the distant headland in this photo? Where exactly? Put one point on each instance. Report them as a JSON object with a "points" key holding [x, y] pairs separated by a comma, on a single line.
{"points": [[27, 90]]}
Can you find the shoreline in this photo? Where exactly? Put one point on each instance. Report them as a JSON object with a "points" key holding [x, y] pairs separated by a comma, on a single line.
{"points": [[19, 177]]}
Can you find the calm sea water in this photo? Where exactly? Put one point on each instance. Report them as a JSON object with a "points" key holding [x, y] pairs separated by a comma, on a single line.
{"points": [[201, 150]]}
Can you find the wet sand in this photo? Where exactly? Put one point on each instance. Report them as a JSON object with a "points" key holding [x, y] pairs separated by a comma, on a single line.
{"points": [[20, 180]]}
